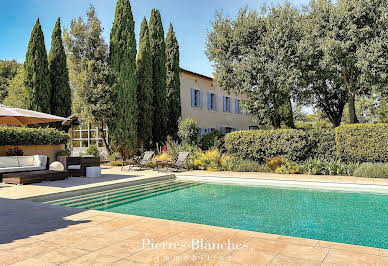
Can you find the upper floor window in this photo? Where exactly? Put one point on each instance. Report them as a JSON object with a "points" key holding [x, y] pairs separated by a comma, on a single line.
{"points": [[196, 98], [227, 104], [212, 102]]}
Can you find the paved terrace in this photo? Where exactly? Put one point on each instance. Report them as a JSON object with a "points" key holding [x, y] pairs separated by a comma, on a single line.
{"points": [[39, 234]]}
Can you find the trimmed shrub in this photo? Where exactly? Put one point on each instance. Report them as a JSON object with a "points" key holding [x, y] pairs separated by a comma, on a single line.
{"points": [[32, 136], [323, 145], [362, 142], [258, 145], [92, 150], [211, 160], [274, 163], [208, 139], [288, 168], [62, 153], [188, 131], [240, 165], [372, 170]]}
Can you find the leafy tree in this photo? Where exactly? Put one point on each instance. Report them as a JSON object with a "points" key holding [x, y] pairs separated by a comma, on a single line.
{"points": [[257, 56], [8, 70], [144, 87], [173, 83], [320, 84], [17, 92], [87, 55], [59, 75], [158, 52], [37, 79], [188, 131], [354, 36], [122, 62]]}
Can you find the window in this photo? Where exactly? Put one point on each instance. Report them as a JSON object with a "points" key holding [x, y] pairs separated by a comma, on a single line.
{"points": [[227, 101], [212, 102], [237, 107], [196, 98], [226, 130], [85, 135]]}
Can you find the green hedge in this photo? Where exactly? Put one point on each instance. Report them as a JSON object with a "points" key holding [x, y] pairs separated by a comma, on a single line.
{"points": [[258, 145], [31, 136], [323, 145], [362, 142]]}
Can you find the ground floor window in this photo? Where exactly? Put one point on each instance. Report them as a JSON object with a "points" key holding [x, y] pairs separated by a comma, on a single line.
{"points": [[84, 134]]}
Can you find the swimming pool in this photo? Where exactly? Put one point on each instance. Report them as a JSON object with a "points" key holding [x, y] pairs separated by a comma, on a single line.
{"points": [[354, 218]]}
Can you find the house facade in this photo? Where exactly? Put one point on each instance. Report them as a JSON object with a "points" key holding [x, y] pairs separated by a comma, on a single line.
{"points": [[211, 106], [201, 99]]}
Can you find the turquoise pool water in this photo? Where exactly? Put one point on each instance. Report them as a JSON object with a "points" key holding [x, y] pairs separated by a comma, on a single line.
{"points": [[354, 218]]}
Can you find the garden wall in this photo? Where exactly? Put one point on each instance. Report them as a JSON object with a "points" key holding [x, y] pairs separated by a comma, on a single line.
{"points": [[48, 150]]}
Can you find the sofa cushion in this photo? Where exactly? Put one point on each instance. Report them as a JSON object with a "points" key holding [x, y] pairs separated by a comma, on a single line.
{"points": [[74, 167], [40, 160], [21, 169], [8, 162], [26, 160]]}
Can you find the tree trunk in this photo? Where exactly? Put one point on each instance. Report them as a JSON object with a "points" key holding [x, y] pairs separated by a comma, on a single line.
{"points": [[352, 109], [289, 115], [103, 137], [276, 121]]}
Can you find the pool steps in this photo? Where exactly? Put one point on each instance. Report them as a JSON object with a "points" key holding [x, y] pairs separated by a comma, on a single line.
{"points": [[116, 197]]}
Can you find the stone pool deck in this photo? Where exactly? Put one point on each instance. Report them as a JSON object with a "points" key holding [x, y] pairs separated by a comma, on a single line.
{"points": [[39, 234]]}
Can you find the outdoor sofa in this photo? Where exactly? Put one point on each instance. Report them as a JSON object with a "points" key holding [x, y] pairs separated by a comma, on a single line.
{"points": [[15, 164]]}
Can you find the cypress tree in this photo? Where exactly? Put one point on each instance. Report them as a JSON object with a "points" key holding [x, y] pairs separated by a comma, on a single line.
{"points": [[158, 52], [172, 83], [37, 79], [59, 75], [144, 87], [122, 62]]}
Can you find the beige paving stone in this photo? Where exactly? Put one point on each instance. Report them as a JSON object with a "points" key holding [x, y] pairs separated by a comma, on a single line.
{"points": [[154, 256], [382, 261], [123, 248], [352, 248], [384, 252], [94, 258], [343, 257], [308, 252], [95, 243], [290, 261], [55, 257], [123, 262], [8, 257], [34, 249], [266, 245], [298, 240], [262, 235], [18, 243], [252, 256]]}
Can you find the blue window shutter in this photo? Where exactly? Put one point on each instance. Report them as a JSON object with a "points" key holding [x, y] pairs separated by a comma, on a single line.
{"points": [[202, 131], [200, 99], [235, 129], [209, 130], [209, 101], [224, 105], [230, 105], [236, 106], [216, 96], [192, 97], [222, 130]]}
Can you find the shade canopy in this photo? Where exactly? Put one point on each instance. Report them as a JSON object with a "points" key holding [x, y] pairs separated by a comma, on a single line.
{"points": [[19, 117]]}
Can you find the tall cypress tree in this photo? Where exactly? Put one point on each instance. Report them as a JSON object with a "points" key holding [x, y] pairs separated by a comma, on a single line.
{"points": [[144, 87], [173, 83], [59, 75], [122, 62], [37, 79], [158, 52]]}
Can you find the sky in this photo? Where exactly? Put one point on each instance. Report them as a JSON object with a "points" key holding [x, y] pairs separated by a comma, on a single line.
{"points": [[191, 20]]}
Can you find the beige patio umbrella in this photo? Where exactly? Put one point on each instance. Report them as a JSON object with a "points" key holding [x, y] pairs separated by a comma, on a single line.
{"points": [[19, 117]]}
